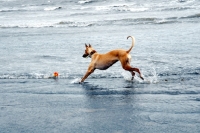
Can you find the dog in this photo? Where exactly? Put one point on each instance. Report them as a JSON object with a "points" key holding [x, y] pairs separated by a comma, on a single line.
{"points": [[104, 61]]}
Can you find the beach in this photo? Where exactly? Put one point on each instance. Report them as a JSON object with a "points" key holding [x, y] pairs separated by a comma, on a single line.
{"points": [[38, 38]]}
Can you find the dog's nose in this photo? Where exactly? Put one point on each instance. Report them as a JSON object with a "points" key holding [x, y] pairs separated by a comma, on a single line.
{"points": [[84, 56]]}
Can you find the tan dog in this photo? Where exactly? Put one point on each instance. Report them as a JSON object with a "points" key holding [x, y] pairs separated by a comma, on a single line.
{"points": [[104, 61]]}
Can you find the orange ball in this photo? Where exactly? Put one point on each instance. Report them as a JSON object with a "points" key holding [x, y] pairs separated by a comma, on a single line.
{"points": [[55, 74]]}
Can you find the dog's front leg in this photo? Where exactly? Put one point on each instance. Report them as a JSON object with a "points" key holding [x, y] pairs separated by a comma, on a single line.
{"points": [[89, 71]]}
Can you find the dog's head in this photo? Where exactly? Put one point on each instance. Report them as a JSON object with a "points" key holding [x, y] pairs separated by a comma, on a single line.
{"points": [[89, 51]]}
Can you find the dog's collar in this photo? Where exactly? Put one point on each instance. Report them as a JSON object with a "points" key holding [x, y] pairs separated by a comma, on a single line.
{"points": [[92, 52]]}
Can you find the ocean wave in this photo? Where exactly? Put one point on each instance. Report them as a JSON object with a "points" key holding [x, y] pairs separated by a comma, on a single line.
{"points": [[175, 5], [191, 16], [141, 21], [75, 24], [176, 8], [30, 8], [136, 7], [122, 8], [12, 10], [51, 25], [40, 25], [52, 8], [22, 8], [85, 1], [128, 21], [122, 22]]}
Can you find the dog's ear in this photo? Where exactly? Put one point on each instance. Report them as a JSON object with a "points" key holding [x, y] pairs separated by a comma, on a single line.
{"points": [[90, 45], [86, 45]]}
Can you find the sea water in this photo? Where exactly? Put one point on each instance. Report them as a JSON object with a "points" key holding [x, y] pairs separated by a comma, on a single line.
{"points": [[38, 38]]}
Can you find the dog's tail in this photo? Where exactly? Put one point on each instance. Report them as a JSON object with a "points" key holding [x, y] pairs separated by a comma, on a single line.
{"points": [[133, 43]]}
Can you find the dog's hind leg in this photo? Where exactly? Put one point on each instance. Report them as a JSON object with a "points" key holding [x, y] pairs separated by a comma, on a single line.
{"points": [[125, 62], [126, 66], [133, 74], [131, 69]]}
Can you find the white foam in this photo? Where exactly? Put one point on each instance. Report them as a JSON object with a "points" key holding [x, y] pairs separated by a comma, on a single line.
{"points": [[138, 9], [126, 76], [122, 7], [83, 1], [152, 77], [75, 81], [51, 8], [100, 8]]}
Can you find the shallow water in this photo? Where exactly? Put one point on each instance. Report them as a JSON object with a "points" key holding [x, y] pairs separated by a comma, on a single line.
{"points": [[100, 105], [41, 37]]}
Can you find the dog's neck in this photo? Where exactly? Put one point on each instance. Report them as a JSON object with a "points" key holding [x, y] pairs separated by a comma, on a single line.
{"points": [[91, 53]]}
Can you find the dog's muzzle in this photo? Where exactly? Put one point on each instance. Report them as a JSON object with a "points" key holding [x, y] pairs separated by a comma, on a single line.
{"points": [[85, 55]]}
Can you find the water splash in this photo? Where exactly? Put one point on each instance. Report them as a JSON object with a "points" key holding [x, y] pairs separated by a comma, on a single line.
{"points": [[153, 77], [75, 81], [150, 77]]}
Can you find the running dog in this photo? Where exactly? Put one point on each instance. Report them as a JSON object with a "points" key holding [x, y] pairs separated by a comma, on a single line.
{"points": [[104, 61]]}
